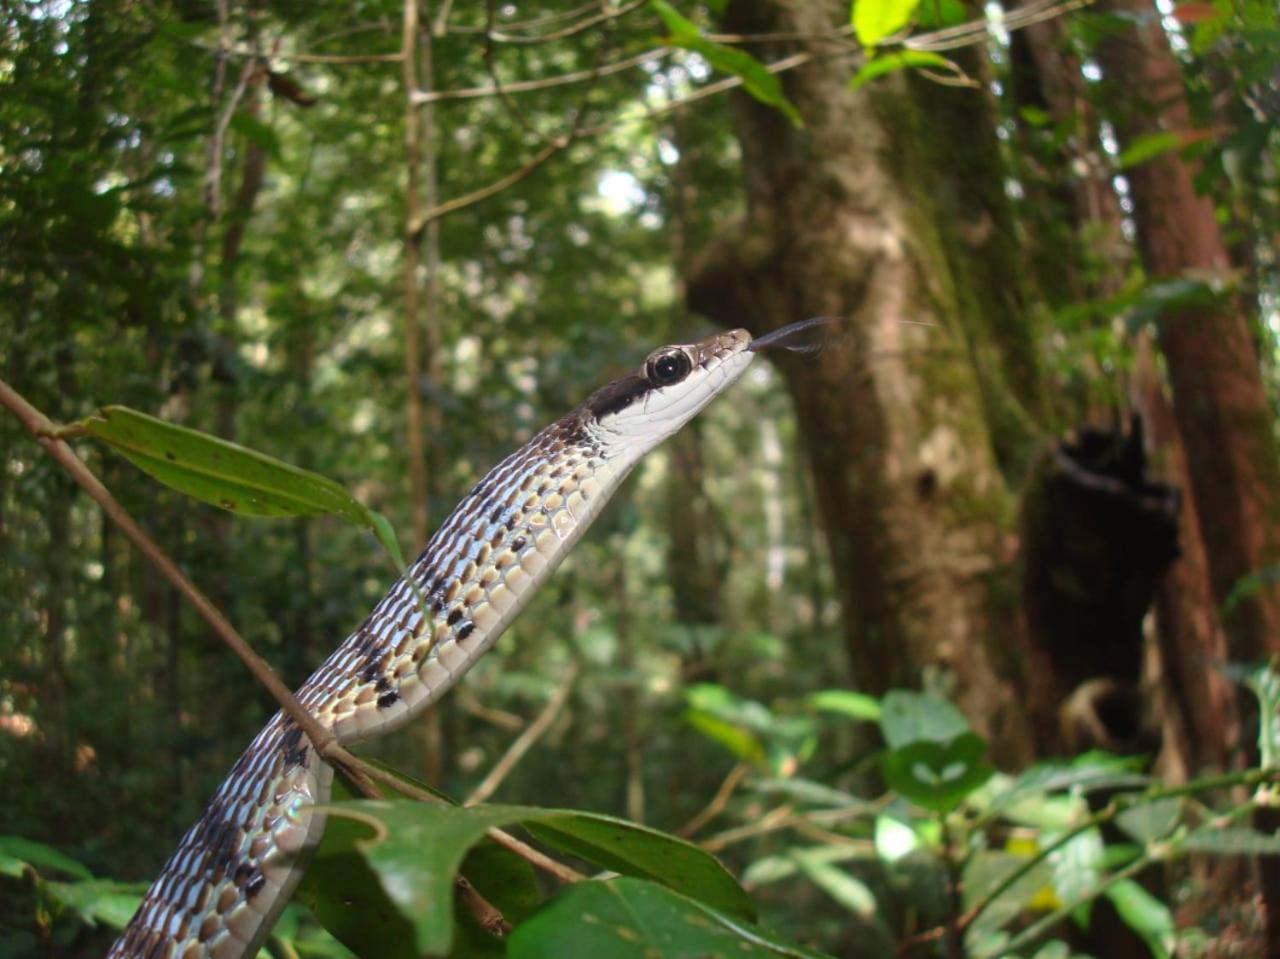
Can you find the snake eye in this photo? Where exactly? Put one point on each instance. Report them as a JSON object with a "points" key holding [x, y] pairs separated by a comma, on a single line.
{"points": [[671, 366]]}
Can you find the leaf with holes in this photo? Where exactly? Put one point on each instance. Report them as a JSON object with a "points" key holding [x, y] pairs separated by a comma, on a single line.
{"points": [[937, 775]]}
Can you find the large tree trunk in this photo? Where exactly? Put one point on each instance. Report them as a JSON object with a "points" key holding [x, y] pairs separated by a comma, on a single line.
{"points": [[1218, 396], [915, 509]]}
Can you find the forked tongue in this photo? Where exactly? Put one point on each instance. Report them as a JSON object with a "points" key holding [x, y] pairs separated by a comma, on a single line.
{"points": [[805, 337]]}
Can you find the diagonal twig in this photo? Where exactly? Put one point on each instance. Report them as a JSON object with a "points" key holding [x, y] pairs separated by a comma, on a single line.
{"points": [[524, 742]]}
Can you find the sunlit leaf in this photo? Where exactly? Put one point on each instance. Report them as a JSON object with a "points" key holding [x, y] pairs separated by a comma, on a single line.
{"points": [[628, 918], [852, 893], [756, 78], [894, 839], [844, 702], [874, 20]]}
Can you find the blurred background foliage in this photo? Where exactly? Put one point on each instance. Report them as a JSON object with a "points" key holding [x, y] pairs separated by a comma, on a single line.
{"points": [[205, 211]]}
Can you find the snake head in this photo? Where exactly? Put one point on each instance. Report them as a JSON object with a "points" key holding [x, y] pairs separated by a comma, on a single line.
{"points": [[638, 411]]}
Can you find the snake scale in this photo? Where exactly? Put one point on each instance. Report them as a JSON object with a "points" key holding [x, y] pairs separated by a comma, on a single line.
{"points": [[235, 869]]}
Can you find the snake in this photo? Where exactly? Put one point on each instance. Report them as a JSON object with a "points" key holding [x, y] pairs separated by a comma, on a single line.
{"points": [[233, 872]]}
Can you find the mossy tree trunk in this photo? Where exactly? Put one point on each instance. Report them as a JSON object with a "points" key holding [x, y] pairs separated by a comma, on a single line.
{"points": [[841, 222]]}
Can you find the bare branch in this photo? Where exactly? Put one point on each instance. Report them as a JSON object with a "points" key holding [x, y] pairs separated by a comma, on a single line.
{"points": [[526, 86], [717, 803], [39, 426], [524, 742]]}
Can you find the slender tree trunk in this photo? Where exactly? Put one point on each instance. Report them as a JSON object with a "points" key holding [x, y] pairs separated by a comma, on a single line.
{"points": [[1218, 396], [917, 516], [1199, 718], [420, 311], [1219, 401]]}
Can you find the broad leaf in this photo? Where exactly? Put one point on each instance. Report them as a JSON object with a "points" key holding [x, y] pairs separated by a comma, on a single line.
{"points": [[874, 20], [908, 716], [1149, 821], [937, 775], [629, 918], [99, 901], [228, 475], [383, 877]]}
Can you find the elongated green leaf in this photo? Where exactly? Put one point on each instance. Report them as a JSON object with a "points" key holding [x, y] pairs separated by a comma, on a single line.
{"points": [[874, 20], [756, 79], [846, 703], [382, 879], [878, 66], [16, 852], [1233, 841], [100, 900], [1149, 821], [228, 475], [1148, 147], [851, 892], [628, 918], [1146, 915]]}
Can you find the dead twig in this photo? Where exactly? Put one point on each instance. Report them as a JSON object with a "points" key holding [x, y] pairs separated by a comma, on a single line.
{"points": [[717, 803], [524, 742]]}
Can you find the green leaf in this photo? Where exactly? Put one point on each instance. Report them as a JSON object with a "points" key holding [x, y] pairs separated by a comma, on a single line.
{"points": [[228, 475], [784, 865], [16, 852], [756, 78], [1147, 147], [628, 918], [894, 839], [1264, 683], [908, 717], [878, 66], [1232, 841], [1076, 865], [846, 703], [937, 775], [873, 20], [847, 890], [738, 741], [100, 900], [1144, 914], [1150, 821], [256, 132], [382, 878]]}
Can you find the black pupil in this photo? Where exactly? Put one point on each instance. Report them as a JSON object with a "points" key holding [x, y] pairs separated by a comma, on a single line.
{"points": [[666, 367]]}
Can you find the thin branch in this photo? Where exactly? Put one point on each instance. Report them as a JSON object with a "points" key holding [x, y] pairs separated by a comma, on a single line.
{"points": [[586, 23], [535, 858], [524, 742], [717, 803], [559, 80], [46, 434], [475, 196], [361, 774], [468, 703], [487, 914]]}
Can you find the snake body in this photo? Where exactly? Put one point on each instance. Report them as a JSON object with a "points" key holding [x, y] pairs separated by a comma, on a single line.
{"points": [[235, 869]]}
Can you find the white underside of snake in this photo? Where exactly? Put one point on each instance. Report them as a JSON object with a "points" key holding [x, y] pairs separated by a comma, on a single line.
{"points": [[235, 869]]}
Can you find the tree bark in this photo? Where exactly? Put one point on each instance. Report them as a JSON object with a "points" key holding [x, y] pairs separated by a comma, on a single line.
{"points": [[839, 224], [1218, 396]]}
